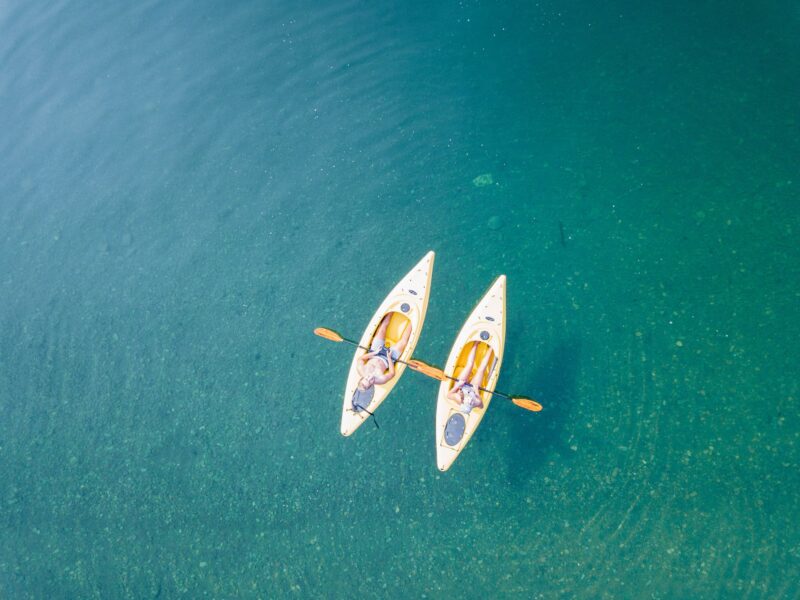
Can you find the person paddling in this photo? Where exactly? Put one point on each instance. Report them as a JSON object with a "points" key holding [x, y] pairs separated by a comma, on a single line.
{"points": [[377, 366]]}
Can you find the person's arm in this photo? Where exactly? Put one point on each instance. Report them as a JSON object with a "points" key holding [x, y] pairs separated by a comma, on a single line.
{"points": [[453, 393], [366, 356], [390, 372], [362, 361]]}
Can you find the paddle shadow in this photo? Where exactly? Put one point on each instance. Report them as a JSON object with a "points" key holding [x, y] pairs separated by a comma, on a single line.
{"points": [[534, 437]]}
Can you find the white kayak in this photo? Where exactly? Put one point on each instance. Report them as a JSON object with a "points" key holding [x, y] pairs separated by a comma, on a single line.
{"points": [[407, 303], [487, 326]]}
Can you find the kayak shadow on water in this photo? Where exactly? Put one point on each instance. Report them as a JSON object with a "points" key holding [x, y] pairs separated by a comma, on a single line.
{"points": [[533, 438]]}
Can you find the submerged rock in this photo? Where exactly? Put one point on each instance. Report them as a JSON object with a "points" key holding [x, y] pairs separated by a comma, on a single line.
{"points": [[483, 180]]}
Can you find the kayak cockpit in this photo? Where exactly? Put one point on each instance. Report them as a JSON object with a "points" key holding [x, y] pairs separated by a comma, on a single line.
{"points": [[463, 359], [395, 330]]}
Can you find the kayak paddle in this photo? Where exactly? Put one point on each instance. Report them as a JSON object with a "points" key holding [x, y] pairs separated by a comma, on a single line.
{"points": [[431, 371], [330, 334], [435, 373]]}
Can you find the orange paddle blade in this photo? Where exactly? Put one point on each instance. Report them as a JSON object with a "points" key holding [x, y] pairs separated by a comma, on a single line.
{"points": [[425, 369], [328, 334], [527, 404]]}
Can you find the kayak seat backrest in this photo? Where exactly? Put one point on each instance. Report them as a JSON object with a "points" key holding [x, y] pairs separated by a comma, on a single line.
{"points": [[483, 348], [397, 327]]}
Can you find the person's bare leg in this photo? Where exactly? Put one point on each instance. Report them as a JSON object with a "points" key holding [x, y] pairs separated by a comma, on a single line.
{"points": [[401, 345], [381, 333], [467, 370], [477, 380]]}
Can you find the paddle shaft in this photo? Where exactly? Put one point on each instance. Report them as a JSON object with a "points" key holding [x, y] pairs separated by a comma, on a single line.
{"points": [[357, 345], [418, 365], [495, 392]]}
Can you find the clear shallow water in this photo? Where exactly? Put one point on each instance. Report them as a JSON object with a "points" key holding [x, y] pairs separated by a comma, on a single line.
{"points": [[187, 190]]}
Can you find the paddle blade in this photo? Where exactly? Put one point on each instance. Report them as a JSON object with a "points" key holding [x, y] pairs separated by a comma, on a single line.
{"points": [[328, 334], [426, 369], [527, 404]]}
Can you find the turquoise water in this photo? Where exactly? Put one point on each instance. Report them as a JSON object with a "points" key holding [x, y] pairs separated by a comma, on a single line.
{"points": [[188, 189]]}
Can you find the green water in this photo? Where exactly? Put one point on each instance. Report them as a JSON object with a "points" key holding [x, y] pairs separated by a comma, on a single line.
{"points": [[187, 189]]}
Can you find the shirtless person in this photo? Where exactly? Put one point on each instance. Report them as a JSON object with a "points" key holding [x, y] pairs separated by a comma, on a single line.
{"points": [[377, 365], [465, 391]]}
